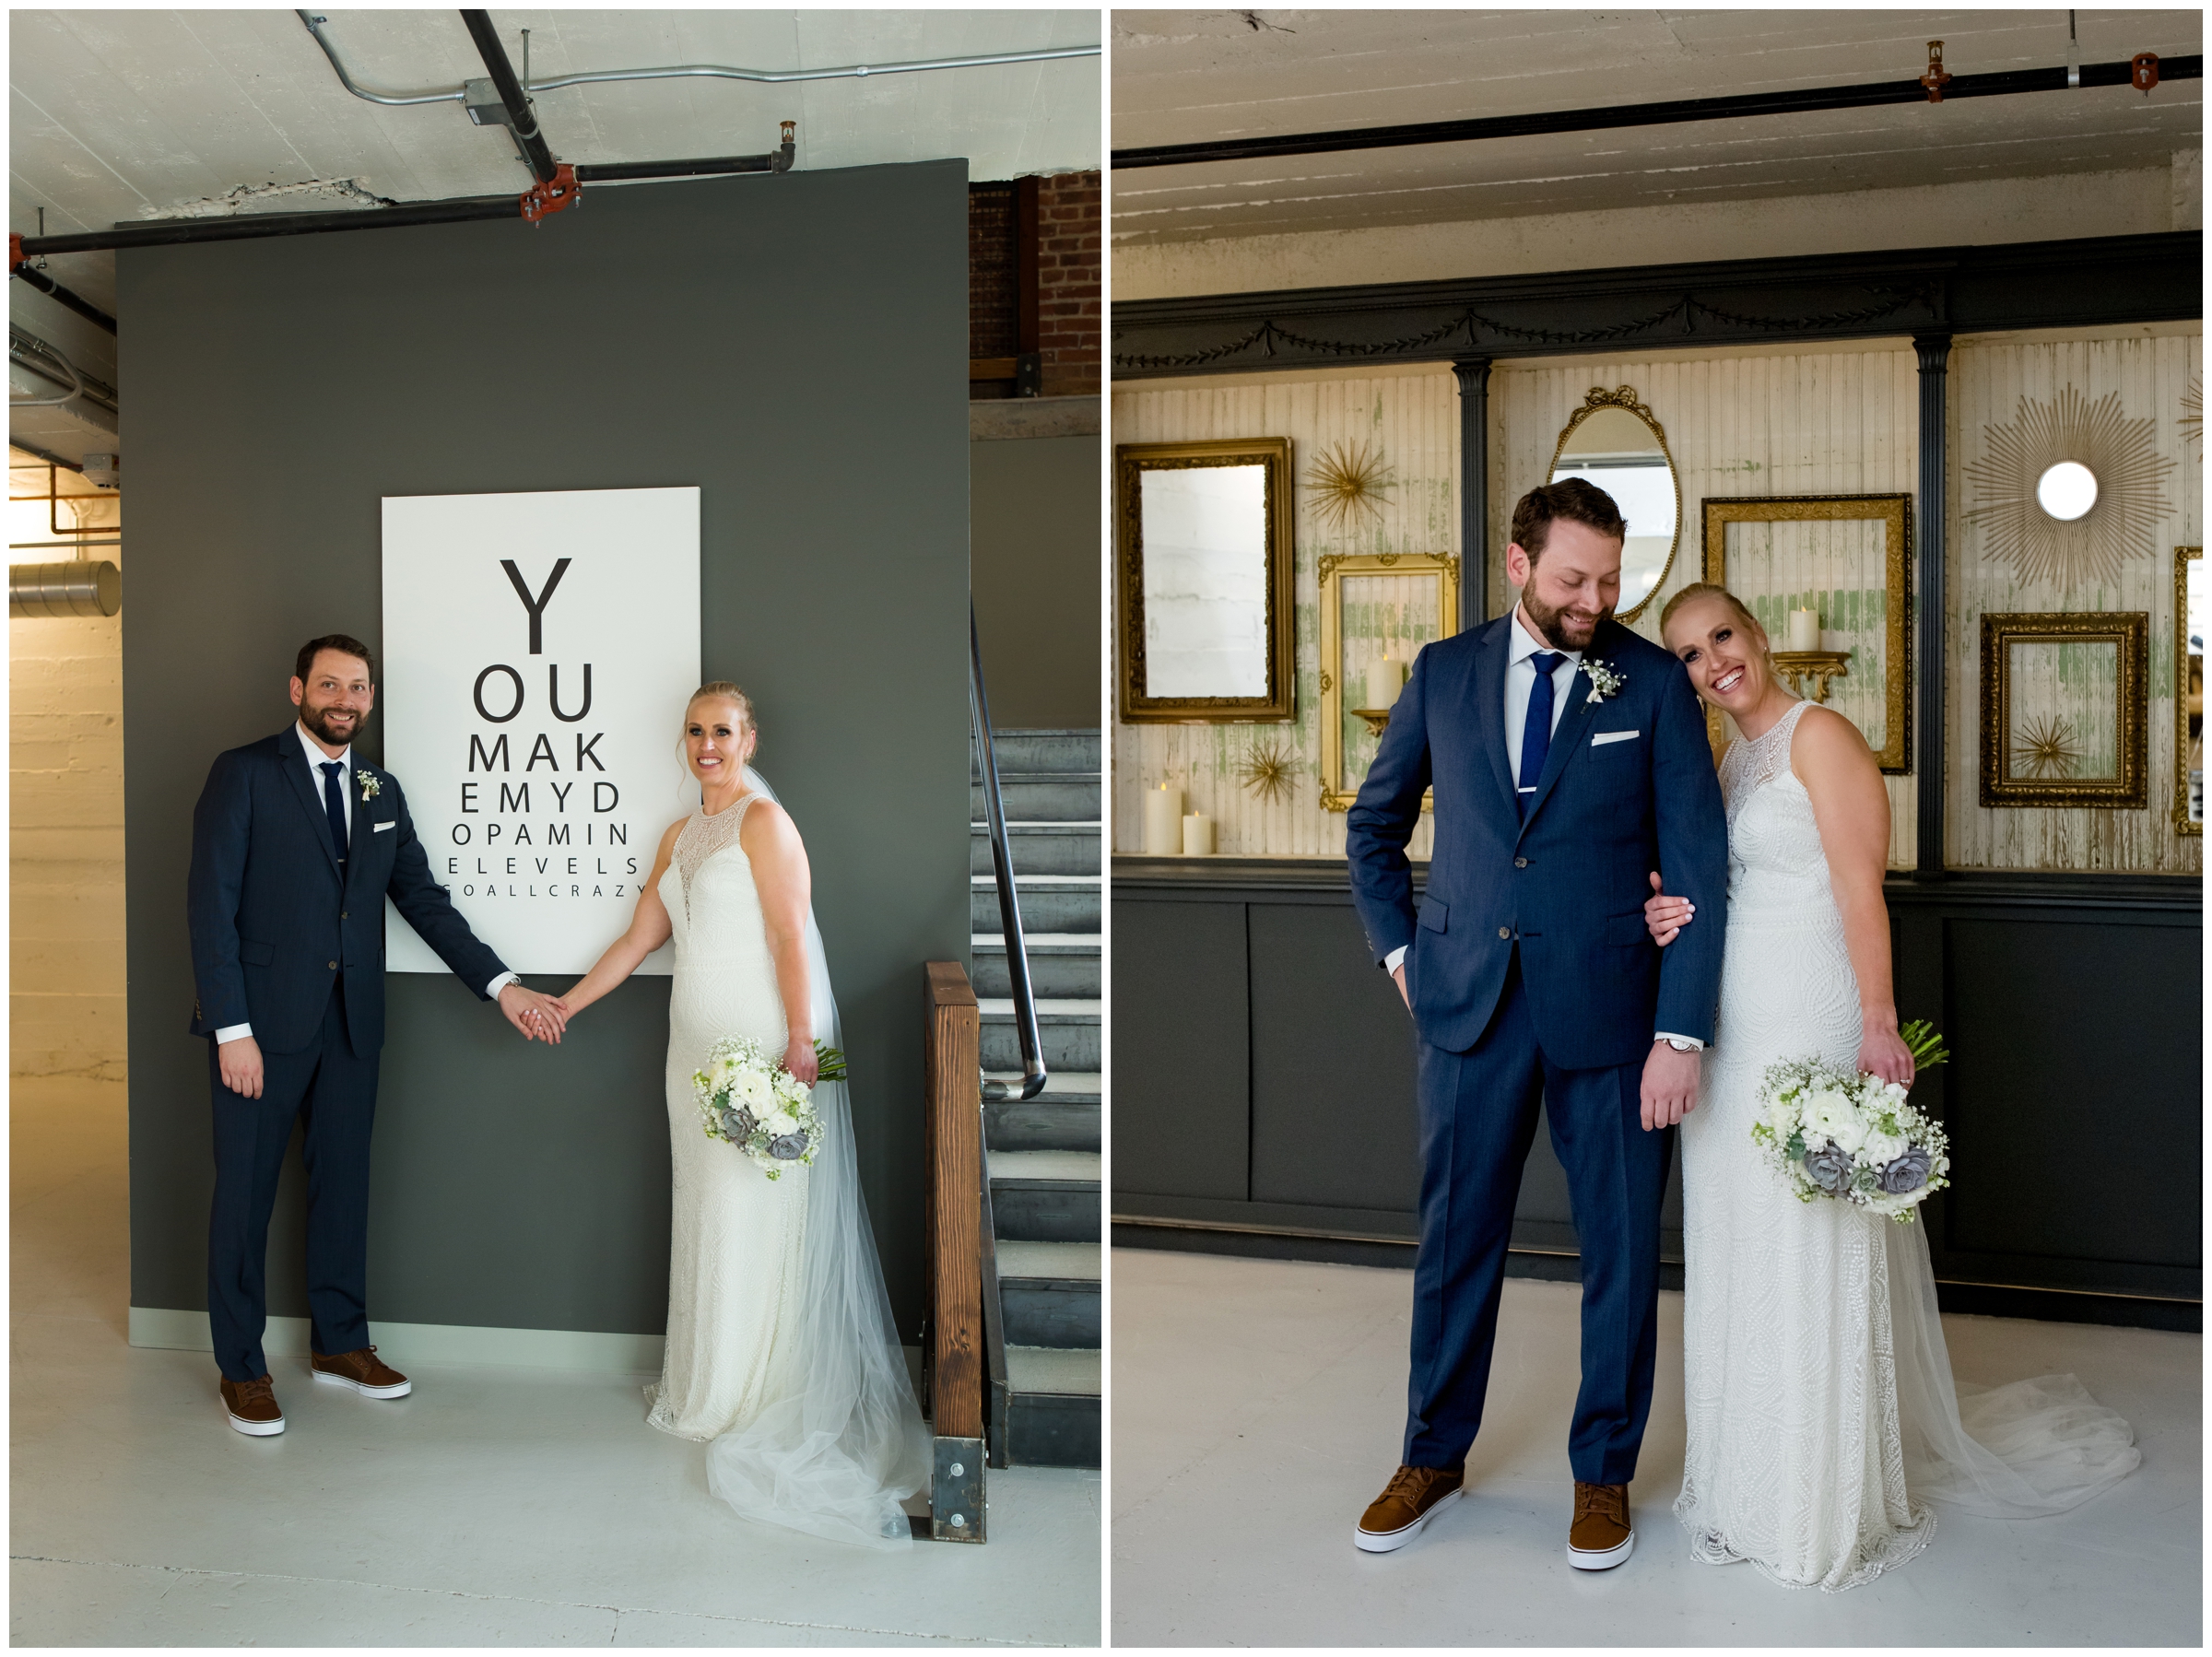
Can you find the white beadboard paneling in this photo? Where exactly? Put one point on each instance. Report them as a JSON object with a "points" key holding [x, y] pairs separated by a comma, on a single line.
{"points": [[1827, 422], [1989, 377], [1413, 421], [1830, 421]]}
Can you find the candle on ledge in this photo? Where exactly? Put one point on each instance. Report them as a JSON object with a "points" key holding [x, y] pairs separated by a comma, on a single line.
{"points": [[1164, 822], [1385, 678], [1199, 836], [1804, 630]]}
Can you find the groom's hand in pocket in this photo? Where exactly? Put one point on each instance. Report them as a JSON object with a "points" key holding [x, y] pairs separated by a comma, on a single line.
{"points": [[1670, 1085], [1397, 977]]}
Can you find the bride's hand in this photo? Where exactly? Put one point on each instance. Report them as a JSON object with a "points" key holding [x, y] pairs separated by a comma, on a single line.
{"points": [[1666, 916], [799, 1059], [1882, 1053]]}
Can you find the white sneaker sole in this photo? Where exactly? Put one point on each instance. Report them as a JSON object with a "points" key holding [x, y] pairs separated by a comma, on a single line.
{"points": [[363, 1387], [1605, 1559], [255, 1429], [1383, 1541]]}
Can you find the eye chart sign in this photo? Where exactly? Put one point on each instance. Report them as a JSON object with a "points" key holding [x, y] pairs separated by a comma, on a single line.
{"points": [[538, 650]]}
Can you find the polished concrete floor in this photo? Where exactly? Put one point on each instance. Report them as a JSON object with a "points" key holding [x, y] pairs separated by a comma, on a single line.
{"points": [[495, 1507], [1257, 1407]]}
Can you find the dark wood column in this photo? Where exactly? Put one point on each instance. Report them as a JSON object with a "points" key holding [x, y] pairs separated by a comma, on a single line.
{"points": [[1935, 353], [1474, 376]]}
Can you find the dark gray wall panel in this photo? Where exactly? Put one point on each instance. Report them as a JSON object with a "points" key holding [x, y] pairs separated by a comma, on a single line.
{"points": [[2062, 1147], [1333, 1053], [2054, 990], [1035, 561], [1181, 1079], [795, 346]]}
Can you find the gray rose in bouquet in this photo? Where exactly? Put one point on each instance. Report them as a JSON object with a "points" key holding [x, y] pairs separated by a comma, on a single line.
{"points": [[1830, 1168], [788, 1148], [1908, 1172]]}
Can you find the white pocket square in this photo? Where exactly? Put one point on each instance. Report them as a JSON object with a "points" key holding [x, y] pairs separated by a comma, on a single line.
{"points": [[1603, 738], [382, 827]]}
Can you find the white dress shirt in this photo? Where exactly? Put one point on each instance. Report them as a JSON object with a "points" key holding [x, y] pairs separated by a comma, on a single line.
{"points": [[1520, 685], [316, 759]]}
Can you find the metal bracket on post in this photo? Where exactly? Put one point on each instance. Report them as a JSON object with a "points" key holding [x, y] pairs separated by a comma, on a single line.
{"points": [[561, 192], [956, 1491]]}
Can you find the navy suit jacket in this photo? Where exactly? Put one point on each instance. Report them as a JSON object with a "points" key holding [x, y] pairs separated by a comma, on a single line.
{"points": [[1568, 886], [274, 922]]}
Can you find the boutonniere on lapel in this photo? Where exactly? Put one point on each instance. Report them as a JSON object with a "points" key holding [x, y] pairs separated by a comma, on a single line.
{"points": [[370, 787], [1604, 681]]}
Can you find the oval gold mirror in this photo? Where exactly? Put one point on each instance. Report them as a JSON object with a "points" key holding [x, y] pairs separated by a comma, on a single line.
{"points": [[1614, 442]]}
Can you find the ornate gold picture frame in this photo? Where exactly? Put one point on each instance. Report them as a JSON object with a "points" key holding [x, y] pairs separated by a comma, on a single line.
{"points": [[2188, 703], [1623, 400], [1894, 513], [1277, 701], [1337, 792], [2078, 736]]}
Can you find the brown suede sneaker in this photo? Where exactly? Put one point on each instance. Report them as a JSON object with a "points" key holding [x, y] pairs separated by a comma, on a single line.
{"points": [[363, 1371], [1413, 1495], [252, 1406], [1600, 1537]]}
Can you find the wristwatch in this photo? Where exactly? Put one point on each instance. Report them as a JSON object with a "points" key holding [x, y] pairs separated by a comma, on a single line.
{"points": [[1679, 1044]]}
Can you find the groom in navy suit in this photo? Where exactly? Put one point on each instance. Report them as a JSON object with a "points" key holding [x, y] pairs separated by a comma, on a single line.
{"points": [[295, 844], [1569, 761]]}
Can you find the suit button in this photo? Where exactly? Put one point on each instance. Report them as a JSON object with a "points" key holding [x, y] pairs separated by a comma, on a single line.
{"points": [[1519, 863], [344, 916], [334, 966], [1505, 932]]}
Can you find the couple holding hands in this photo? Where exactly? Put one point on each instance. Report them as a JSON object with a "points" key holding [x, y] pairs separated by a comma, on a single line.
{"points": [[782, 1353]]}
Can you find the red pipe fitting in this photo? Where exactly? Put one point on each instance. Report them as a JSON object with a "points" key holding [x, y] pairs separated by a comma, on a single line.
{"points": [[555, 195]]}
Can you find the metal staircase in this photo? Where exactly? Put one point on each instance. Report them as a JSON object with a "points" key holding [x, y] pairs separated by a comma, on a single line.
{"points": [[1042, 1217]]}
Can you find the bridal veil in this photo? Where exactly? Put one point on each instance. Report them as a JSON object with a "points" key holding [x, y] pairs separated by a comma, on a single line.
{"points": [[838, 1454]]}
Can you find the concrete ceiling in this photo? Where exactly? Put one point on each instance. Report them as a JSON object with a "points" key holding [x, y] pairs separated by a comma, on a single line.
{"points": [[120, 115], [1186, 77]]}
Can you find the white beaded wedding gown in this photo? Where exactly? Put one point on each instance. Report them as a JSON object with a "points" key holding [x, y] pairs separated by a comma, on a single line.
{"points": [[1822, 1412], [781, 1349]]}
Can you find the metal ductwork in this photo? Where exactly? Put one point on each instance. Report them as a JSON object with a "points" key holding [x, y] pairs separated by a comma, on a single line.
{"points": [[76, 587]]}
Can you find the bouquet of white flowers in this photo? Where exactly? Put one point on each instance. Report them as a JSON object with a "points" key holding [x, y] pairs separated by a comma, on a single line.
{"points": [[751, 1101], [1854, 1137]]}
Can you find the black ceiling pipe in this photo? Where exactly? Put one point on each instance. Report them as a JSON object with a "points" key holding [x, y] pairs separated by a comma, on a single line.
{"points": [[2002, 83], [601, 172], [248, 227], [60, 295], [510, 88]]}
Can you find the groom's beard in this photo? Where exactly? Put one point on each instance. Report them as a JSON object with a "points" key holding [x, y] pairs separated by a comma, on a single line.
{"points": [[1558, 630], [339, 732]]}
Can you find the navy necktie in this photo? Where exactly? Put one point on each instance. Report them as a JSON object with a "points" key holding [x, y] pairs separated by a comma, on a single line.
{"points": [[1535, 733], [333, 805]]}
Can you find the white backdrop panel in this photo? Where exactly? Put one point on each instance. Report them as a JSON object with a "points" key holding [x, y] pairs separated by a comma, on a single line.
{"points": [[540, 815]]}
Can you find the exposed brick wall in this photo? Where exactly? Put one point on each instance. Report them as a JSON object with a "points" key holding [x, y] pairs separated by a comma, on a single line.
{"points": [[1070, 254]]}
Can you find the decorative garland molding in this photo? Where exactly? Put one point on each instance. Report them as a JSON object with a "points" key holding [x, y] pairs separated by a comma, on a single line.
{"points": [[2092, 282]]}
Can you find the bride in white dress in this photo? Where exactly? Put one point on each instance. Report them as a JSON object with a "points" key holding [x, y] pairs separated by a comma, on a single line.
{"points": [[781, 1351], [1822, 1415]]}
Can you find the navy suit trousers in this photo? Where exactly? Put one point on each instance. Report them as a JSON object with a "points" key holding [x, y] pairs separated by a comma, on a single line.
{"points": [[333, 1091], [1479, 1118]]}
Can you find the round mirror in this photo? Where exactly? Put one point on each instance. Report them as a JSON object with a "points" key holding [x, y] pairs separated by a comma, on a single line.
{"points": [[2066, 491], [1614, 443]]}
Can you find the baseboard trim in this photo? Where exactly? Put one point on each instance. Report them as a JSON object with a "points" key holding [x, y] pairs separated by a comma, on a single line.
{"points": [[173, 1330], [1556, 1265]]}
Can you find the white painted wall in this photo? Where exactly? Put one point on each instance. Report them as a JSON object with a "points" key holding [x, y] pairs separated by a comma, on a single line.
{"points": [[2032, 209]]}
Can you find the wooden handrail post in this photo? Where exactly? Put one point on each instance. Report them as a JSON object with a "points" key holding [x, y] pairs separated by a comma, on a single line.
{"points": [[953, 1090]]}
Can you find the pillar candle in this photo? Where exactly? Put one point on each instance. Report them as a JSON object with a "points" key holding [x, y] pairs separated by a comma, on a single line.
{"points": [[1199, 836], [1385, 678], [1805, 629], [1164, 822]]}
